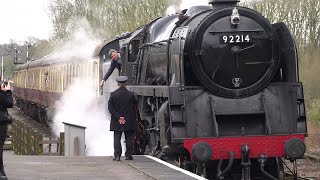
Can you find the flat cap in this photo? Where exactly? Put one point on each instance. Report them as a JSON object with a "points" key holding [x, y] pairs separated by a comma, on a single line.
{"points": [[121, 79]]}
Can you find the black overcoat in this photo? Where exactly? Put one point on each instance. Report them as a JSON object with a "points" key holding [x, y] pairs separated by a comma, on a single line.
{"points": [[121, 104], [6, 101]]}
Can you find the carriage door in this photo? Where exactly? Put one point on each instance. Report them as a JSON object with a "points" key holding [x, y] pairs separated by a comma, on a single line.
{"points": [[131, 54]]}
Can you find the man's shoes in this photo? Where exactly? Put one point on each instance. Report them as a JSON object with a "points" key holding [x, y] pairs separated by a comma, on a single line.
{"points": [[129, 158], [3, 175], [116, 158]]}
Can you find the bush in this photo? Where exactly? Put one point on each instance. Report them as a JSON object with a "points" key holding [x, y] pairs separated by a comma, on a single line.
{"points": [[314, 112], [309, 64]]}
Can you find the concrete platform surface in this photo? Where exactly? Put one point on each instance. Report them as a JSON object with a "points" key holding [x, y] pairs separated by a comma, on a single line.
{"points": [[19, 167]]}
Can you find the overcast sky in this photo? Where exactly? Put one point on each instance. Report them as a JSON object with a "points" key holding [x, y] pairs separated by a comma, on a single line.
{"points": [[20, 19]]}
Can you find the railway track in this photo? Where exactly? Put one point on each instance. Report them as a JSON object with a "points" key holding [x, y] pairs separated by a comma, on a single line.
{"points": [[291, 177], [308, 169]]}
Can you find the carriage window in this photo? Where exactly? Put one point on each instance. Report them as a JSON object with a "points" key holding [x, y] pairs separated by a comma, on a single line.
{"points": [[133, 50]]}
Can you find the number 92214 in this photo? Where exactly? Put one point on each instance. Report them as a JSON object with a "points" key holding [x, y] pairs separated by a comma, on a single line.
{"points": [[231, 39]]}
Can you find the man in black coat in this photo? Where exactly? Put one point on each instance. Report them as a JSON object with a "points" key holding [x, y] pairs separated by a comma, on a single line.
{"points": [[121, 107]]}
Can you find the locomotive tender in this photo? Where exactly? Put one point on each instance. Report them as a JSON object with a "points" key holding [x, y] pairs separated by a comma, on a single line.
{"points": [[218, 89]]}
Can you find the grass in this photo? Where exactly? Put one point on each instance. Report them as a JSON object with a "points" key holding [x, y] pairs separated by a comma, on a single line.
{"points": [[313, 139], [309, 65]]}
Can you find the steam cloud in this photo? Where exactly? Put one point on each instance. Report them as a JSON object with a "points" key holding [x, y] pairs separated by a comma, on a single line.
{"points": [[80, 104], [185, 4]]}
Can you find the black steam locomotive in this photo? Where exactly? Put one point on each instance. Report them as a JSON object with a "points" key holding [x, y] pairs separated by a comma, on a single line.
{"points": [[219, 91]]}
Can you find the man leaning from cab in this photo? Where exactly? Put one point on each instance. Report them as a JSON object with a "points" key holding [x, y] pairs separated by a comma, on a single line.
{"points": [[115, 63]]}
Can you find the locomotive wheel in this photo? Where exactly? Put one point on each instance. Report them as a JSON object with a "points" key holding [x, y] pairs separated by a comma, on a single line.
{"points": [[277, 172]]}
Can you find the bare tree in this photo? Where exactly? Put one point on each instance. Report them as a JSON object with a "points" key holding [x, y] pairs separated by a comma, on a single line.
{"points": [[301, 16], [106, 17]]}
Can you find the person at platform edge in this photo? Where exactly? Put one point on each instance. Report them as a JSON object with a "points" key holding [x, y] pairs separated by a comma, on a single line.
{"points": [[115, 63], [121, 107], [6, 101]]}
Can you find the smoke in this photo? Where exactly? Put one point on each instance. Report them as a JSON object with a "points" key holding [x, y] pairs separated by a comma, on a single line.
{"points": [[185, 4], [80, 104], [82, 42], [171, 10]]}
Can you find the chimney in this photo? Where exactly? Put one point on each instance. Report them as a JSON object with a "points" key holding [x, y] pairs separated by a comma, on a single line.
{"points": [[217, 4]]}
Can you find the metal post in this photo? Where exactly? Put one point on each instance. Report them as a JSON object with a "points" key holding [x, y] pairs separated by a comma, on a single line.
{"points": [[28, 49], [15, 55]]}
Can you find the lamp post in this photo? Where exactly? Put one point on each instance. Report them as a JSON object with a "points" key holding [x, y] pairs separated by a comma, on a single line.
{"points": [[29, 45], [14, 54], [2, 65], [4, 52]]}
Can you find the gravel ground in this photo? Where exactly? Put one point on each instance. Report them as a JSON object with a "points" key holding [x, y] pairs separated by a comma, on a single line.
{"points": [[308, 169]]}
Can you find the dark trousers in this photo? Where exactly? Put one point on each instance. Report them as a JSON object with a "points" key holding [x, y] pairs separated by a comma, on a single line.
{"points": [[117, 144], [3, 136]]}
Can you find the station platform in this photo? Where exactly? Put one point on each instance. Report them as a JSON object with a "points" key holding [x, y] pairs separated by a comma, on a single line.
{"points": [[19, 167]]}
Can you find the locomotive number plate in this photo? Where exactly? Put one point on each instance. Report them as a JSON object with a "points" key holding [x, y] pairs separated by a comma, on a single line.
{"points": [[232, 39]]}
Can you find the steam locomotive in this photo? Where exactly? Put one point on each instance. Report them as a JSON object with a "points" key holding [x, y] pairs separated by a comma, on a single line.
{"points": [[218, 86], [219, 90]]}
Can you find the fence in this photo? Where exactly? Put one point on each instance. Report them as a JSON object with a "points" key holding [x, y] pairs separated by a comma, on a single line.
{"points": [[28, 141]]}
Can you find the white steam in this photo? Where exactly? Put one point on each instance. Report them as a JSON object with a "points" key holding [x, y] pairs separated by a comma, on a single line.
{"points": [[171, 10], [80, 104], [186, 4], [82, 42]]}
